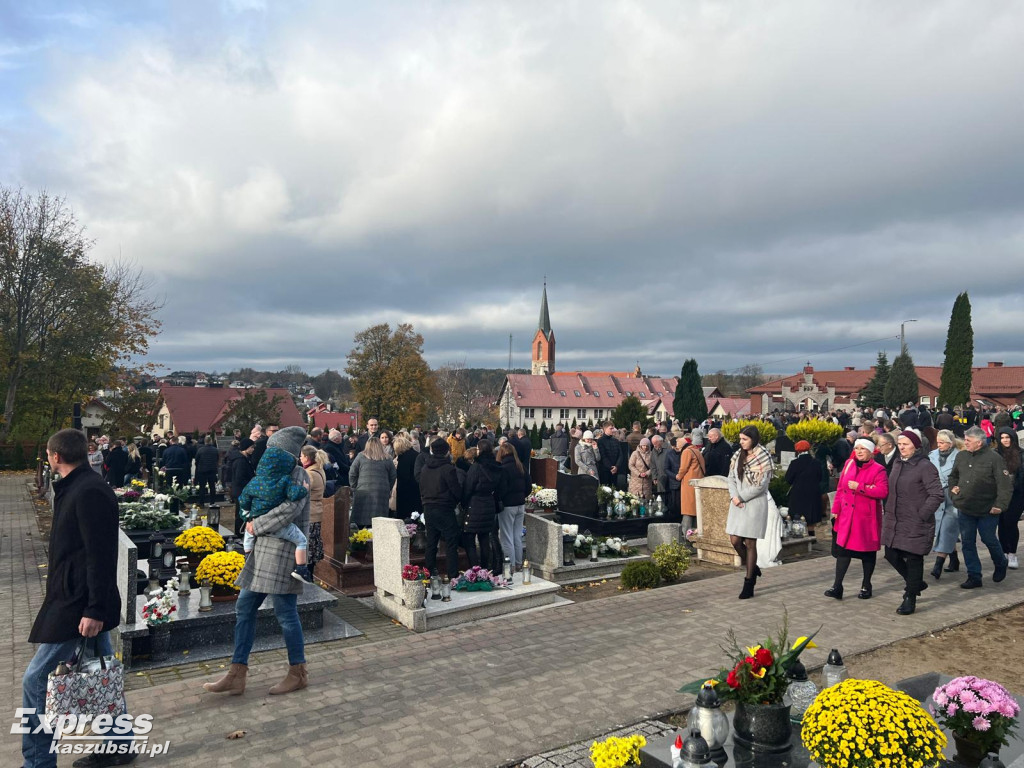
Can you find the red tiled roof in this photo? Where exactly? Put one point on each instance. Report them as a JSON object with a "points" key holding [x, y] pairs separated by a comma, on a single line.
{"points": [[734, 406], [1002, 382], [545, 391], [203, 408], [335, 420]]}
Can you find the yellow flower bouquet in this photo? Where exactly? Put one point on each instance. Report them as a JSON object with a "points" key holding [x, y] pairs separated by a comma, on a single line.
{"points": [[199, 540], [864, 724], [615, 752], [221, 568], [360, 540]]}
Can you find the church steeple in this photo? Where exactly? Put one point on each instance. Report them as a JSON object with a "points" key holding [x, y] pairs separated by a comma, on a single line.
{"points": [[542, 349], [544, 323]]}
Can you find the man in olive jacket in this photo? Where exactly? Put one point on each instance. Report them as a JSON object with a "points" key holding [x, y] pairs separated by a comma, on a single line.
{"points": [[81, 599], [981, 489]]}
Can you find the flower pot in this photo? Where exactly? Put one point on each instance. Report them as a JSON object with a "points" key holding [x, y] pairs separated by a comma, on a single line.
{"points": [[968, 754], [221, 594], [413, 593], [762, 728], [159, 641]]}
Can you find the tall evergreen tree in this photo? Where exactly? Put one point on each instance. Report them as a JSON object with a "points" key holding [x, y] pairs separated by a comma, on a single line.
{"points": [[955, 388], [901, 388], [689, 402], [873, 394]]}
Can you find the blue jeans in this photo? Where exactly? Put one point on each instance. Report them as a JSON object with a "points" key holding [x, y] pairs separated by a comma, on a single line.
{"points": [[287, 614], [970, 527], [290, 533], [35, 747]]}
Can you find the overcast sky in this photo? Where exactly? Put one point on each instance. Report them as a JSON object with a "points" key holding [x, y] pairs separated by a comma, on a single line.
{"points": [[741, 182]]}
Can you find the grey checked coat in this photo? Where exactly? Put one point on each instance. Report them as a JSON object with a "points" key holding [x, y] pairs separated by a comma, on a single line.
{"points": [[269, 567]]}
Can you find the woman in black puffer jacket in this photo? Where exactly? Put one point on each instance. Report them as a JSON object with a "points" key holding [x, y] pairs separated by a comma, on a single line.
{"points": [[481, 495]]}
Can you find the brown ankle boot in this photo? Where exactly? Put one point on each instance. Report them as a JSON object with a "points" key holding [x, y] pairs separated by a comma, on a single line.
{"points": [[232, 683], [295, 680]]}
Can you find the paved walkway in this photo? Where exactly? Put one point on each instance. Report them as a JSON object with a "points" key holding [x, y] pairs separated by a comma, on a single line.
{"points": [[486, 694]]}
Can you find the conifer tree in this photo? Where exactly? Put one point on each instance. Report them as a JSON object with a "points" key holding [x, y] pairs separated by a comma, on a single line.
{"points": [[955, 388], [873, 394], [689, 402], [901, 387]]}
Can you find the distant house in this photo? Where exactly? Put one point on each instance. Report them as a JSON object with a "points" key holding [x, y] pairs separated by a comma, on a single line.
{"points": [[187, 409], [94, 413], [328, 421], [810, 390]]}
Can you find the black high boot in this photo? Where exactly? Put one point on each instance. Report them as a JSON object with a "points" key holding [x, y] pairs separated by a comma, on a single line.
{"points": [[954, 562], [937, 570], [748, 589]]}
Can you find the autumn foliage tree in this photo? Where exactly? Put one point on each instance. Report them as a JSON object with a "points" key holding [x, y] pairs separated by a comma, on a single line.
{"points": [[390, 378], [66, 323], [254, 407]]}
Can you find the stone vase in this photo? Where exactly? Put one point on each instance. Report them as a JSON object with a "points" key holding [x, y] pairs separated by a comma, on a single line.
{"points": [[968, 754], [763, 728], [414, 593], [159, 641]]}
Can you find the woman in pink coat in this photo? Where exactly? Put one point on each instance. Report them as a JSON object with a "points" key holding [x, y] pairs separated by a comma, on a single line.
{"points": [[857, 516]]}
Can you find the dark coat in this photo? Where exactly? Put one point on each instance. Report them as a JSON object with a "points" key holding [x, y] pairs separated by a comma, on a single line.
{"points": [[880, 458], [523, 450], [983, 481], [241, 469], [485, 485], [945, 420], [716, 458], [439, 482], [174, 457], [515, 491], [117, 462], [915, 493], [338, 454], [407, 492], [672, 469], [207, 459], [804, 478], [82, 571], [560, 443], [612, 455], [842, 449]]}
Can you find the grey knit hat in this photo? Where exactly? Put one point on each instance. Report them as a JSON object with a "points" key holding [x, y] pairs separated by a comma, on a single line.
{"points": [[288, 439]]}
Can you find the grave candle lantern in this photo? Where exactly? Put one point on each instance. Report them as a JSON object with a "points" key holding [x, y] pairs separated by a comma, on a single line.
{"points": [[593, 553], [435, 587], [707, 719], [801, 691], [506, 569], [527, 572], [205, 603], [213, 516], [185, 581], [446, 589], [695, 752], [834, 670], [156, 543], [168, 556]]}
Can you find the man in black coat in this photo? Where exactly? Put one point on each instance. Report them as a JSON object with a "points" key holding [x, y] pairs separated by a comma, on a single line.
{"points": [[440, 492], [207, 460], [336, 449], [608, 466], [117, 462], [717, 454], [81, 599], [241, 469]]}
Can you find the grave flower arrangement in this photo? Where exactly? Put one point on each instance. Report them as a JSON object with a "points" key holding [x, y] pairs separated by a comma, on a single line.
{"points": [[360, 540], [162, 604], [221, 568], [142, 517], [978, 711], [478, 579], [864, 724], [200, 540], [616, 752], [415, 573], [758, 674], [605, 494], [127, 494], [613, 546], [546, 498], [181, 492]]}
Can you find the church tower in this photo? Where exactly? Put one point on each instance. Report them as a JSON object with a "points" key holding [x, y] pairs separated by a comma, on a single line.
{"points": [[543, 348]]}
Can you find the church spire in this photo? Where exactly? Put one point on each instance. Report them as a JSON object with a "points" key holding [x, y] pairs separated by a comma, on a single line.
{"points": [[544, 323]]}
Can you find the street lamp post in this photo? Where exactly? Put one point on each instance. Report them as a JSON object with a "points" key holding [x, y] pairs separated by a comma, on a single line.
{"points": [[903, 344]]}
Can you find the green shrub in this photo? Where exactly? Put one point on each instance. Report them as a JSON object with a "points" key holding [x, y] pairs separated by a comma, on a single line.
{"points": [[672, 559], [779, 489], [814, 431], [641, 575], [731, 430]]}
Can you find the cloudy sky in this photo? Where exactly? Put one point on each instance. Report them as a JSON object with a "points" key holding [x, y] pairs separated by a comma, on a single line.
{"points": [[742, 182]]}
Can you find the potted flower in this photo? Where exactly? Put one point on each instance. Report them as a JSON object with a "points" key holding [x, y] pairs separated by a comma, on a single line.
{"points": [[980, 713], [757, 682], [864, 724], [617, 752], [416, 527], [158, 612], [360, 544], [221, 569], [198, 542], [542, 498], [414, 580]]}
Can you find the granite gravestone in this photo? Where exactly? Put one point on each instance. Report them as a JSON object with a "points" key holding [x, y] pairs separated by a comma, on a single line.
{"points": [[577, 494], [783, 443]]}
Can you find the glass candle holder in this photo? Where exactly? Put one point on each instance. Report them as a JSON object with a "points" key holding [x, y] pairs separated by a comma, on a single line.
{"points": [[185, 581], [593, 553], [527, 572], [205, 603], [446, 589]]}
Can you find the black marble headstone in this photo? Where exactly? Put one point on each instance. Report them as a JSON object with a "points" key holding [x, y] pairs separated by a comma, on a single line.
{"points": [[783, 443], [577, 494]]}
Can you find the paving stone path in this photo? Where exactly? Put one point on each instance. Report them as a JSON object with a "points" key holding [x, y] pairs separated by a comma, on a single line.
{"points": [[489, 693]]}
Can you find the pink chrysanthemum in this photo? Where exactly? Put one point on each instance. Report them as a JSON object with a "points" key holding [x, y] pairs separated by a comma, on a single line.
{"points": [[980, 724]]}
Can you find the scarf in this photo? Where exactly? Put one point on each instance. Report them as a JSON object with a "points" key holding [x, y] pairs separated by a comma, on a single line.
{"points": [[754, 468], [943, 456]]}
